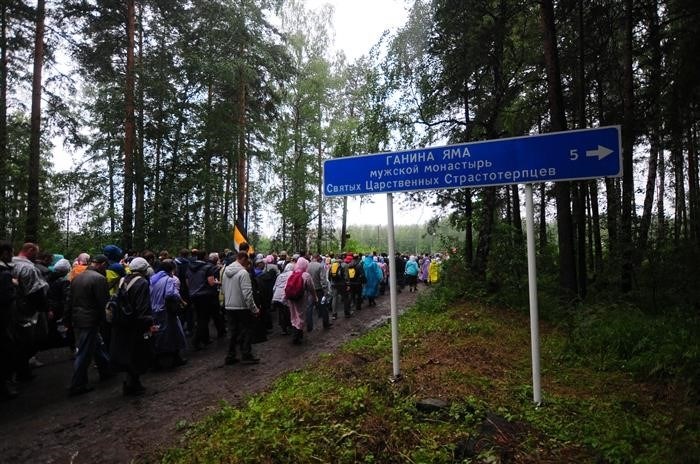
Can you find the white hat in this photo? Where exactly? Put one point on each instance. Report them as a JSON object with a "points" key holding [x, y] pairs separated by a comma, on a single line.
{"points": [[62, 266], [138, 265]]}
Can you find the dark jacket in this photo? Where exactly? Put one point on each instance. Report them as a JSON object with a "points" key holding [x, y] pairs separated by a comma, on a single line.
{"points": [[88, 297], [58, 295], [128, 348], [197, 276], [182, 266], [8, 294]]}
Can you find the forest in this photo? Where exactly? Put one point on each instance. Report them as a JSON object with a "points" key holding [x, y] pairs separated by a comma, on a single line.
{"points": [[183, 117]]}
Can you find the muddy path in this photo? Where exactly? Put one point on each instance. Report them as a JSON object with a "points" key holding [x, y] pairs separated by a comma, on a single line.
{"points": [[44, 425]]}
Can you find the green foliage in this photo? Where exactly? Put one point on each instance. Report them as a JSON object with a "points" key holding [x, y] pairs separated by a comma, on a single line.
{"points": [[622, 337], [613, 429], [668, 279], [412, 239]]}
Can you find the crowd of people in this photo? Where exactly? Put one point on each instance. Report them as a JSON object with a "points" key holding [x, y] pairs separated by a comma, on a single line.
{"points": [[130, 312]]}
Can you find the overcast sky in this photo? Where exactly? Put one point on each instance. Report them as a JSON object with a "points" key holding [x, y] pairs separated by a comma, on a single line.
{"points": [[358, 26]]}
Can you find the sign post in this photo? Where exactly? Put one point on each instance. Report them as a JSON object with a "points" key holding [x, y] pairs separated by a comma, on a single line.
{"points": [[532, 290], [392, 288], [557, 156]]}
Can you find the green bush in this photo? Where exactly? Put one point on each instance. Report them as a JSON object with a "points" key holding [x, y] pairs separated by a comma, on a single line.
{"points": [[623, 337]]}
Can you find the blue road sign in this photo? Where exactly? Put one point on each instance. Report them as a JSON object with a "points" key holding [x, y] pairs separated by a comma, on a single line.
{"points": [[557, 156]]}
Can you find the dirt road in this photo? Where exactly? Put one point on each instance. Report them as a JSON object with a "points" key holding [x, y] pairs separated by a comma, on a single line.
{"points": [[44, 425]]}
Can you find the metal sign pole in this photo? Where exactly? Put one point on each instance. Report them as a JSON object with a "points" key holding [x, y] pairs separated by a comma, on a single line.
{"points": [[392, 287], [532, 281]]}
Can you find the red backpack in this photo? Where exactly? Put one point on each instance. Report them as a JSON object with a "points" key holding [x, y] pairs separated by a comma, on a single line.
{"points": [[294, 288]]}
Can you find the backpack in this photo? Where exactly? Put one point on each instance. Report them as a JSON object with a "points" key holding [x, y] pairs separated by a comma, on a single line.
{"points": [[335, 273], [355, 274], [119, 311], [294, 288]]}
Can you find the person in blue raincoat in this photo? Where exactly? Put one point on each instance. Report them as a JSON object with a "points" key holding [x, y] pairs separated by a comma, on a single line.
{"points": [[373, 274]]}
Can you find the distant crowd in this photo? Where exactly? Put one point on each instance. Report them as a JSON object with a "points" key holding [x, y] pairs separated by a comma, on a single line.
{"points": [[130, 312]]}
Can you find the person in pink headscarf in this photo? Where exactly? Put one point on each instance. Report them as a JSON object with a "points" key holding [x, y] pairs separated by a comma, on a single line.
{"points": [[297, 308], [79, 265]]}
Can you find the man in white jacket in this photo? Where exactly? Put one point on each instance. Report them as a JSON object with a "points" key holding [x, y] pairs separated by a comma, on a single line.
{"points": [[241, 310]]}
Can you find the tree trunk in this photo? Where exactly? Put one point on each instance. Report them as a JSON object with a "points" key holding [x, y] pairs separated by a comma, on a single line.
{"points": [[319, 162], [112, 193], [693, 194], [654, 129], [597, 240], [517, 220], [543, 218], [241, 158], [157, 219], [567, 265], [485, 232], [139, 160], [626, 243], [509, 207], [206, 207], [469, 224], [4, 179], [590, 237], [611, 190], [677, 162], [580, 194], [581, 187], [206, 176], [176, 166], [129, 129], [31, 231], [468, 207], [661, 228]]}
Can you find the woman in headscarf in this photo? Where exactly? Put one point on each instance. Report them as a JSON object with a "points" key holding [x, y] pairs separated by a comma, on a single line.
{"points": [[424, 268], [79, 265], [297, 308], [165, 303], [279, 300]]}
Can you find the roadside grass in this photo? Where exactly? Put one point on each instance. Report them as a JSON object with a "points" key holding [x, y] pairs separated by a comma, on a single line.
{"points": [[475, 358]]}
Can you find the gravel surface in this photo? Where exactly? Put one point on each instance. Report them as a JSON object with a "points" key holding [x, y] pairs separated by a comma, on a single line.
{"points": [[44, 425]]}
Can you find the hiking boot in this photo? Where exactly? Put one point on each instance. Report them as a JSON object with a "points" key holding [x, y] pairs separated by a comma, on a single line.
{"points": [[230, 360], [80, 390], [25, 376], [133, 390], [250, 360], [7, 391], [104, 376]]}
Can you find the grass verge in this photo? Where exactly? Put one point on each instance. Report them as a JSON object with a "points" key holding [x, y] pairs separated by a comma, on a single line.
{"points": [[475, 359]]}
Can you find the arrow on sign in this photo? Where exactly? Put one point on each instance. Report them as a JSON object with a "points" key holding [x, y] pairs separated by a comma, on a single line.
{"points": [[601, 152]]}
